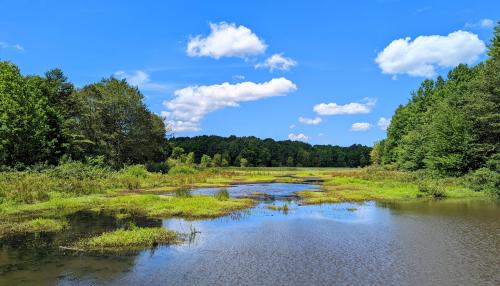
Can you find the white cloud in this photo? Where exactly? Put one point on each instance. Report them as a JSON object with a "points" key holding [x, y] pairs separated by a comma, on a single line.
{"points": [[483, 23], [310, 121], [192, 103], [383, 123], [423, 55], [226, 40], [291, 126], [277, 62], [16, 47], [141, 79], [298, 137], [363, 107], [361, 126], [321, 134]]}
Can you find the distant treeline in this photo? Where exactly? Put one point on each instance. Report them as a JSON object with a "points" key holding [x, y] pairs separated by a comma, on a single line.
{"points": [[270, 153], [450, 126]]}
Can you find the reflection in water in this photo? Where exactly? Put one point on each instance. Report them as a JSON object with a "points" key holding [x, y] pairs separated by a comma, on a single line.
{"points": [[411, 243]]}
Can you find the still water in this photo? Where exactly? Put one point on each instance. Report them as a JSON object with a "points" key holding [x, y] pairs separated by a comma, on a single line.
{"points": [[444, 242]]}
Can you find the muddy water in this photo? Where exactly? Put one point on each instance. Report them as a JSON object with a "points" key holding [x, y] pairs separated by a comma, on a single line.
{"points": [[419, 243]]}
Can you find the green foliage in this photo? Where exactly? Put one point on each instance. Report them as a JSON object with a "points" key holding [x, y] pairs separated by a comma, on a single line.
{"points": [[222, 195], [484, 179], [181, 170], [450, 126], [243, 162], [432, 189], [205, 161], [270, 153], [43, 119]]}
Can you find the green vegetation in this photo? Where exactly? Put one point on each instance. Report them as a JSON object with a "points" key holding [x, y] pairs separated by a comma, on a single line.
{"points": [[235, 151], [451, 127], [284, 208], [375, 183], [31, 226], [132, 239], [222, 195]]}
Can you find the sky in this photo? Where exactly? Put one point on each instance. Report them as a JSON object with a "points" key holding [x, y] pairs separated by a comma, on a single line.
{"points": [[323, 72]]}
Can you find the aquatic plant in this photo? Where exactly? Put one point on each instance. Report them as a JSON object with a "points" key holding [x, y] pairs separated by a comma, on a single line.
{"points": [[222, 195]]}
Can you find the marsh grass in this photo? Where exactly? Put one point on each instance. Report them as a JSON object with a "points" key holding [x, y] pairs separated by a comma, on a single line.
{"points": [[126, 240], [32, 226], [284, 208]]}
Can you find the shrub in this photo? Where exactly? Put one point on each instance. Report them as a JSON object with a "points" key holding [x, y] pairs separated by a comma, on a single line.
{"points": [[138, 171], [181, 169], [157, 167], [484, 179], [432, 190], [222, 195]]}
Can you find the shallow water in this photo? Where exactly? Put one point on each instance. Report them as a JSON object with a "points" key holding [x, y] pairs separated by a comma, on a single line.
{"points": [[415, 243]]}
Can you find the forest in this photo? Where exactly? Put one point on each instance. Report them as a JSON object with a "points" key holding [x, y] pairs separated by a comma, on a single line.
{"points": [[252, 151]]}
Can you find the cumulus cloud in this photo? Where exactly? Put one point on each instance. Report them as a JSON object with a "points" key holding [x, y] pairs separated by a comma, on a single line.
{"points": [[141, 79], [383, 123], [310, 121], [360, 126], [483, 23], [423, 55], [226, 40], [192, 103], [16, 47], [298, 137], [292, 126], [277, 62], [363, 107]]}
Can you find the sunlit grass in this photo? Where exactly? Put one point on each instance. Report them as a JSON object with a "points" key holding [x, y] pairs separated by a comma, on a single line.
{"points": [[31, 226], [126, 240]]}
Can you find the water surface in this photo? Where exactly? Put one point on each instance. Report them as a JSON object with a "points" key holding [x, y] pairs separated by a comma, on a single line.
{"points": [[414, 243]]}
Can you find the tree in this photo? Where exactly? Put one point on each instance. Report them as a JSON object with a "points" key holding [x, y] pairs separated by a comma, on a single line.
{"points": [[24, 128], [243, 162], [115, 122], [217, 160], [206, 161]]}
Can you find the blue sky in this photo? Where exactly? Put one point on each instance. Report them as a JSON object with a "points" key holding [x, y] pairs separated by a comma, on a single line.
{"points": [[254, 67]]}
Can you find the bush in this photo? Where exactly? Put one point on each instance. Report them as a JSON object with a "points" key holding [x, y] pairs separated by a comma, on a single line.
{"points": [[181, 169], [222, 195], [484, 179], [157, 167], [432, 190]]}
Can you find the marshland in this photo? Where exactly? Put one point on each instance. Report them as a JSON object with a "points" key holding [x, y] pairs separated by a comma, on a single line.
{"points": [[356, 160]]}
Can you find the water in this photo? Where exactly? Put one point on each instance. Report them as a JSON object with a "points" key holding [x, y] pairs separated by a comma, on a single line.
{"points": [[414, 243]]}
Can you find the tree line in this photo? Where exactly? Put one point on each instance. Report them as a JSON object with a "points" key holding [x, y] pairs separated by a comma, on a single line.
{"points": [[252, 151], [450, 126], [46, 119]]}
